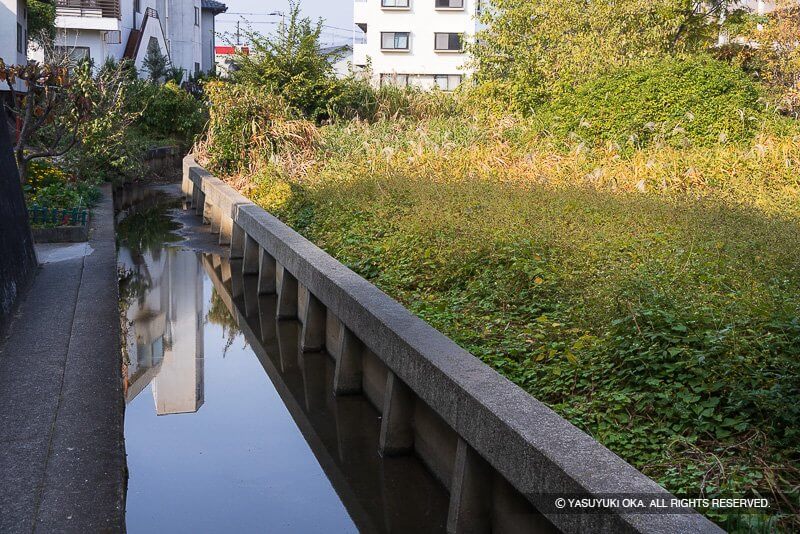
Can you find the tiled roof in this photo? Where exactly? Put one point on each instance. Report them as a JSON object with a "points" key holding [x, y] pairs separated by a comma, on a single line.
{"points": [[214, 6]]}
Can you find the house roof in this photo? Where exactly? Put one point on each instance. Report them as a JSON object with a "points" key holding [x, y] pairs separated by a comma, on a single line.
{"points": [[231, 50], [214, 6]]}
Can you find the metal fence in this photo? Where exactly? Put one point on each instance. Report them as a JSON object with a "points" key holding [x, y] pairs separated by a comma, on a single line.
{"points": [[58, 217]]}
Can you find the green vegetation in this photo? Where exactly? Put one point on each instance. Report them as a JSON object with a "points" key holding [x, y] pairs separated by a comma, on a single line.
{"points": [[169, 114], [50, 187], [609, 218], [649, 298], [673, 100], [41, 21]]}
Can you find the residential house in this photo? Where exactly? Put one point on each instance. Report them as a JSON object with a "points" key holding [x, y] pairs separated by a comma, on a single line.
{"points": [[415, 42], [224, 56], [13, 35], [183, 30]]}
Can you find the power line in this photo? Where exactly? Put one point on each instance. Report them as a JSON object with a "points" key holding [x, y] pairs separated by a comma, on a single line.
{"points": [[272, 22]]}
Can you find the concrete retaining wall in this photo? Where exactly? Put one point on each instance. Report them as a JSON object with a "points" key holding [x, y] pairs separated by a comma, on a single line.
{"points": [[499, 451], [61, 234], [17, 257], [163, 158]]}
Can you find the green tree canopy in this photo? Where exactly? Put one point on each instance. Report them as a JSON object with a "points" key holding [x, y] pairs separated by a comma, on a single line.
{"points": [[293, 64], [41, 21], [536, 45]]}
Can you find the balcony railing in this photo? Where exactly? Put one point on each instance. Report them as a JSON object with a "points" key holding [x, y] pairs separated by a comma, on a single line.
{"points": [[88, 8]]}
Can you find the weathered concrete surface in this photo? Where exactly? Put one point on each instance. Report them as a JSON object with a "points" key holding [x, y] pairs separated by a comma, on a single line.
{"points": [[61, 234], [62, 457], [17, 260], [538, 452]]}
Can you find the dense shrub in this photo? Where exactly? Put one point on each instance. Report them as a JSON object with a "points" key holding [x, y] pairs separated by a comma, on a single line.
{"points": [[248, 125], [292, 63], [534, 47], [675, 100], [169, 113], [52, 187]]}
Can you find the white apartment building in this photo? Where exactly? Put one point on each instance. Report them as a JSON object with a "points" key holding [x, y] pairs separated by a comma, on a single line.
{"points": [[415, 42], [183, 30]]}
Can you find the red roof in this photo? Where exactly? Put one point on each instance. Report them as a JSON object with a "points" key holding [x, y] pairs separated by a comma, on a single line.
{"points": [[230, 50]]}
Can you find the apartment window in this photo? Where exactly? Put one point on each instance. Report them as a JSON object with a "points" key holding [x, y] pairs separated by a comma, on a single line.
{"points": [[394, 80], [449, 4], [197, 68], [76, 54], [448, 42], [394, 40], [447, 82], [394, 3], [197, 16], [19, 37]]}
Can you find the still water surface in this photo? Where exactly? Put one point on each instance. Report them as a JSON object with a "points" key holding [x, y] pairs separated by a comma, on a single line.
{"points": [[229, 427]]}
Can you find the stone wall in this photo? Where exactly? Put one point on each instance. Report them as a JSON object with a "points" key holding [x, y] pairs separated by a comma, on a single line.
{"points": [[17, 257]]}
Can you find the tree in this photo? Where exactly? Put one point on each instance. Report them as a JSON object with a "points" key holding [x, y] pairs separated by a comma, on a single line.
{"points": [[41, 21], [59, 102], [535, 46], [155, 64], [49, 111], [292, 63], [777, 54]]}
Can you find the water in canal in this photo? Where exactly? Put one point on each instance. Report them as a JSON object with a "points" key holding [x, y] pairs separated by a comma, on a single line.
{"points": [[229, 427]]}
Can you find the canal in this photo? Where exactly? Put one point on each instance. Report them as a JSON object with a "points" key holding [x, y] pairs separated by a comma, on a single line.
{"points": [[229, 426]]}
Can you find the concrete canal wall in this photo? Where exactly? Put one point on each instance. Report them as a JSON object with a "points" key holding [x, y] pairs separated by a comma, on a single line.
{"points": [[503, 455]]}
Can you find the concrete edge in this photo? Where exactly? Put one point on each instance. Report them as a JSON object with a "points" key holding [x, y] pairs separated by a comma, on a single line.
{"points": [[536, 450]]}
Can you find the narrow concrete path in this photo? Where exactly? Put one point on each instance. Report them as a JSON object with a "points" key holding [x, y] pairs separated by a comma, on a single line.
{"points": [[62, 455]]}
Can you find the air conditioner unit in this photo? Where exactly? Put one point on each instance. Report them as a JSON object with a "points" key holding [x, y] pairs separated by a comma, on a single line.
{"points": [[112, 37]]}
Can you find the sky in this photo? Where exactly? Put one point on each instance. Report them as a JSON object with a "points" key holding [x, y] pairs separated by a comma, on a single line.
{"points": [[338, 15]]}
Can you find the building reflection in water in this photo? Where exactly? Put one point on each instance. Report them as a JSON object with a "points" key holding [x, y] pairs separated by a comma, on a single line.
{"points": [[165, 328]]}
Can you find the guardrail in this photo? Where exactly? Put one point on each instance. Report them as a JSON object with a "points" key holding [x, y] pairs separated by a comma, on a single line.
{"points": [[501, 453]]}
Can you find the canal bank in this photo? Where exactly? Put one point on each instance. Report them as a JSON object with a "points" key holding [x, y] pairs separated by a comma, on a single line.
{"points": [[62, 454]]}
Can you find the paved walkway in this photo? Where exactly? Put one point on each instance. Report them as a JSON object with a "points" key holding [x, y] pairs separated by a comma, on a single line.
{"points": [[62, 455]]}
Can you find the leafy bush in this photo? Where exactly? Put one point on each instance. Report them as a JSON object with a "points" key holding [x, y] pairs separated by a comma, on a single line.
{"points": [[534, 47], [52, 187], [168, 112], [67, 195], [675, 100], [291, 63]]}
